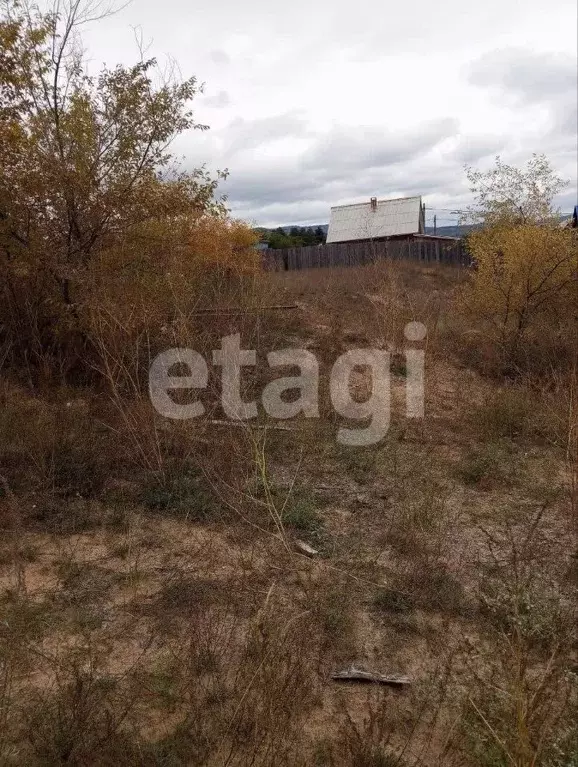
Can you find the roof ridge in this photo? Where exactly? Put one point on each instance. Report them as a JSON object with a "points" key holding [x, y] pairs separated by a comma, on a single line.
{"points": [[368, 202]]}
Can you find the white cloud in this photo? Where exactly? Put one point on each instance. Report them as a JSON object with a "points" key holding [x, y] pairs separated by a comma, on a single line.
{"points": [[312, 104]]}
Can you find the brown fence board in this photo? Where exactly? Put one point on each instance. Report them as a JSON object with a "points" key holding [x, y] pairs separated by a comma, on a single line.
{"points": [[422, 249]]}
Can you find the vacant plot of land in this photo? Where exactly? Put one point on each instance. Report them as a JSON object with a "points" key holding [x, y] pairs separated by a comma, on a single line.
{"points": [[158, 605]]}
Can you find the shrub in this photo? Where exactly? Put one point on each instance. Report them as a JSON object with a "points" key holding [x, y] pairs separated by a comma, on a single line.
{"points": [[103, 242], [301, 515], [183, 493], [523, 293], [505, 413]]}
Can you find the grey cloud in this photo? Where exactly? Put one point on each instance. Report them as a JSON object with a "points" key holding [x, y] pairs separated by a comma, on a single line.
{"points": [[354, 149], [349, 165], [564, 121], [471, 149], [218, 101], [267, 186], [546, 79], [302, 192], [567, 118], [531, 77], [281, 213], [242, 135], [283, 171], [411, 178], [220, 57]]}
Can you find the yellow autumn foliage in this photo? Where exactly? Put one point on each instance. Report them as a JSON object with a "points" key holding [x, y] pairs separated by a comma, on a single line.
{"points": [[99, 228], [163, 270], [523, 282]]}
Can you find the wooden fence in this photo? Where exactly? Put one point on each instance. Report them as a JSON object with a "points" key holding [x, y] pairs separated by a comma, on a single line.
{"points": [[428, 249]]}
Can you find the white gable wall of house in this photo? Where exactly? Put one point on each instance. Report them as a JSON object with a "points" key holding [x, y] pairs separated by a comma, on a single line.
{"points": [[383, 218]]}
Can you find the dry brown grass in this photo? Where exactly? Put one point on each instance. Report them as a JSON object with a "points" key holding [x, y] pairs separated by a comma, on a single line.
{"points": [[153, 607]]}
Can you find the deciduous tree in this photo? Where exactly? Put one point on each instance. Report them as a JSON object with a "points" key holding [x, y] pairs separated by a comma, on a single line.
{"points": [[524, 281], [86, 169], [509, 195]]}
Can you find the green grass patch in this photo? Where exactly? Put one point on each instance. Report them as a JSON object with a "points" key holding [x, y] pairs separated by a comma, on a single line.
{"points": [[487, 465], [184, 494]]}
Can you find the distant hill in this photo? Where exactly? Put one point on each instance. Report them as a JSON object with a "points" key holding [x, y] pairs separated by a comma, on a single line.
{"points": [[324, 227], [442, 231], [460, 231], [287, 229], [451, 231]]}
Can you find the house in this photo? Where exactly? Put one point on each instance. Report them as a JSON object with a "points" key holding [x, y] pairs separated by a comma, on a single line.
{"points": [[365, 232], [376, 220]]}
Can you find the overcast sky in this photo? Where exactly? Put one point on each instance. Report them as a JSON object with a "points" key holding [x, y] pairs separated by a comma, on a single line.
{"points": [[313, 104]]}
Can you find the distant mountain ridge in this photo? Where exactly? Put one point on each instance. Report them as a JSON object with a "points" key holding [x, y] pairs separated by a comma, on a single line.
{"points": [[453, 230], [442, 231]]}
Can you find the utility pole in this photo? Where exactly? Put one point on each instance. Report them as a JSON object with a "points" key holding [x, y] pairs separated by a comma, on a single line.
{"points": [[435, 223]]}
